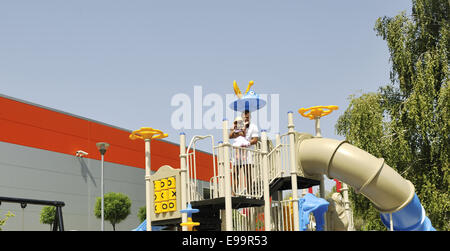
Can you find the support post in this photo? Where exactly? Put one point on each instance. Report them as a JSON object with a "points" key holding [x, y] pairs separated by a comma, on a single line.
{"points": [[317, 126], [55, 221], [265, 167], [351, 226], [226, 161], [102, 187], [221, 171], [291, 131], [391, 222], [147, 134], [278, 164], [60, 218], [322, 179], [183, 177], [148, 184]]}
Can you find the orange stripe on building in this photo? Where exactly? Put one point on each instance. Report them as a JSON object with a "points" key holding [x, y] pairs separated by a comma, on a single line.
{"points": [[38, 127]]}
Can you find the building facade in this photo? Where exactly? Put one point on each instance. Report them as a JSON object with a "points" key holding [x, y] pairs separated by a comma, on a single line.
{"points": [[38, 160]]}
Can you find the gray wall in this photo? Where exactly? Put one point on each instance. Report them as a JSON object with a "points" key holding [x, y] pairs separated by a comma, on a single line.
{"points": [[32, 173]]}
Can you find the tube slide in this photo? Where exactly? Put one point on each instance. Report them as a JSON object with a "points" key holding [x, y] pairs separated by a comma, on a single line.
{"points": [[368, 175]]}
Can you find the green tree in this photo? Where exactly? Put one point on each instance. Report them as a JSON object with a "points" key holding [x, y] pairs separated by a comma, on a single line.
{"points": [[407, 121], [142, 213], [48, 215], [7, 216], [117, 208]]}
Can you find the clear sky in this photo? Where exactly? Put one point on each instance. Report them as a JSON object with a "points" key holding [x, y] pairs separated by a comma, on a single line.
{"points": [[121, 62]]}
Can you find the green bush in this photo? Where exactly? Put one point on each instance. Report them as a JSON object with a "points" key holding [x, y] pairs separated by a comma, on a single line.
{"points": [[7, 216], [117, 208], [48, 215], [142, 213]]}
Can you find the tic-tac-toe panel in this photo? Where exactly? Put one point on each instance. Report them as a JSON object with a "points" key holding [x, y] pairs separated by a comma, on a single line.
{"points": [[166, 185]]}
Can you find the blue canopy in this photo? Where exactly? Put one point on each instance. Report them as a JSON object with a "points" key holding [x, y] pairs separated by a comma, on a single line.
{"points": [[250, 102]]}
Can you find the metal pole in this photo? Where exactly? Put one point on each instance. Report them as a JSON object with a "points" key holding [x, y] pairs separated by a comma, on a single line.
{"points": [[102, 147], [226, 158], [322, 179], [23, 206], [277, 166], [103, 200], [322, 195], [317, 126], [391, 223], [265, 167], [183, 178], [148, 198], [319, 135], [60, 218], [221, 180], [291, 131], [56, 220]]}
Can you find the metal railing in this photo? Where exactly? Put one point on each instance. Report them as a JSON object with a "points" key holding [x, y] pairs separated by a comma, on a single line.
{"points": [[278, 158], [194, 192], [283, 215], [248, 219], [252, 219], [246, 172]]}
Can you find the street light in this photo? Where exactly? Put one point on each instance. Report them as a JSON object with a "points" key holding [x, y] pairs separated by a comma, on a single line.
{"points": [[102, 147]]}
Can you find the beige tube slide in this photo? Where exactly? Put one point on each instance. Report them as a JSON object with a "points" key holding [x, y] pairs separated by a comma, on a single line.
{"points": [[367, 174]]}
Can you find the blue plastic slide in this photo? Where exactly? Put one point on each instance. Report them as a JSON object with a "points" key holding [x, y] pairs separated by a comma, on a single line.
{"points": [[410, 218], [143, 227]]}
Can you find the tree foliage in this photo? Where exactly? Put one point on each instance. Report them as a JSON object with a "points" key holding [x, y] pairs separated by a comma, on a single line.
{"points": [[407, 121], [3, 220], [117, 208], [48, 214], [142, 213]]}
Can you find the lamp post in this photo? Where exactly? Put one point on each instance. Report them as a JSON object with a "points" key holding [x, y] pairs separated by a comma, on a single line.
{"points": [[102, 147]]}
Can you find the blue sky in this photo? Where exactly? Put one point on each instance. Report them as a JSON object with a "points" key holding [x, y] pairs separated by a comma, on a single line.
{"points": [[121, 62]]}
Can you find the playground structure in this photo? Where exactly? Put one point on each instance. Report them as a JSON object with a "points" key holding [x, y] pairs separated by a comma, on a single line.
{"points": [[248, 184], [237, 193]]}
